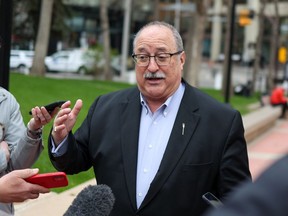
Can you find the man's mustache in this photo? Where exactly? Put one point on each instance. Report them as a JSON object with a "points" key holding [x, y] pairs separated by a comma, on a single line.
{"points": [[157, 75]]}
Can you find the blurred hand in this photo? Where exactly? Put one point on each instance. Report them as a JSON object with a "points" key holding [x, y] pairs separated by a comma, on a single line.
{"points": [[40, 117], [13, 187], [4, 147], [65, 121]]}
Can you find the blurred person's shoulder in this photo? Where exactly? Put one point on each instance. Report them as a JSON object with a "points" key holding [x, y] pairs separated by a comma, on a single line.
{"points": [[5, 94]]}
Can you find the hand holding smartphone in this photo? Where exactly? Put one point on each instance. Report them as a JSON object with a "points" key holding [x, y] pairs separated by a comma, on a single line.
{"points": [[52, 106], [49, 180]]}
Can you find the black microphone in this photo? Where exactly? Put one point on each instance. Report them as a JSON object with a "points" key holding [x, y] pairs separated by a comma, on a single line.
{"points": [[96, 200]]}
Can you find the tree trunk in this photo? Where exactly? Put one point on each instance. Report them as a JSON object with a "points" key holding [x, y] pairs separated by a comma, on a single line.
{"points": [[272, 72], [156, 10], [258, 45], [195, 43], [106, 39], [42, 40]]}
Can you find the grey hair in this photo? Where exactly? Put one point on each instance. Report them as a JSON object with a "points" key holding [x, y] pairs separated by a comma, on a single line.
{"points": [[176, 35]]}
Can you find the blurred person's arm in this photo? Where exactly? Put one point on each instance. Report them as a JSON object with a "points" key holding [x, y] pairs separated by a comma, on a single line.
{"points": [[30, 144]]}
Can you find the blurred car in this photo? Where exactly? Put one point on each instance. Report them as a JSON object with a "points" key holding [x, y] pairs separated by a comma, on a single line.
{"points": [[21, 60], [75, 61], [235, 57]]}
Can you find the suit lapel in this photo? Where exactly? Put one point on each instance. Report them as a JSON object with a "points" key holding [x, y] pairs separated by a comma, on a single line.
{"points": [[130, 121], [177, 143]]}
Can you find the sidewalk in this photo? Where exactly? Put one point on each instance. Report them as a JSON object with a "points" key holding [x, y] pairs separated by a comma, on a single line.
{"points": [[268, 147], [262, 152], [51, 203]]}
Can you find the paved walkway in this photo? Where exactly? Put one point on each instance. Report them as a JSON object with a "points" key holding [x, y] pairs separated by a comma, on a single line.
{"points": [[263, 151], [268, 147], [50, 204]]}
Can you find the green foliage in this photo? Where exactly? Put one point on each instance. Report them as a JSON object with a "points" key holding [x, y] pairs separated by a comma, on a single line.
{"points": [[37, 91], [237, 102]]}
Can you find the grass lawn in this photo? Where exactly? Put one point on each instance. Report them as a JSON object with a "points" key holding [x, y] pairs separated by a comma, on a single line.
{"points": [[32, 91]]}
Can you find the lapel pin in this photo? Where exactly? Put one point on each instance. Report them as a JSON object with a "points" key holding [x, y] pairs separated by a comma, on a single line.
{"points": [[183, 128]]}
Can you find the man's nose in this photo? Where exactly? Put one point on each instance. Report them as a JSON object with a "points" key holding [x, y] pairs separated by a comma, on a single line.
{"points": [[153, 66]]}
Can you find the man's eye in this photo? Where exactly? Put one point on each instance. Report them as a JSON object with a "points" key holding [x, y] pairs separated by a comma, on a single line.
{"points": [[142, 57], [162, 57]]}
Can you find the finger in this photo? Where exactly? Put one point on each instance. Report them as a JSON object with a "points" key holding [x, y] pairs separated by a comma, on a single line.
{"points": [[59, 121], [58, 128], [34, 113], [25, 173], [33, 195], [45, 114], [37, 114], [66, 104], [77, 107], [62, 112], [36, 189], [40, 115], [41, 189]]}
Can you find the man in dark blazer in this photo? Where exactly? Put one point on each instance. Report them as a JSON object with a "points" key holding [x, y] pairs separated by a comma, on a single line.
{"points": [[268, 195], [159, 146]]}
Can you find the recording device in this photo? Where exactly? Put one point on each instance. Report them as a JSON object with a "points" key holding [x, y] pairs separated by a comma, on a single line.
{"points": [[212, 200], [52, 106], [96, 200], [49, 180]]}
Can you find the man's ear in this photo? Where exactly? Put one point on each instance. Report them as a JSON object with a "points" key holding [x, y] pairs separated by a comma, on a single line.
{"points": [[182, 58]]}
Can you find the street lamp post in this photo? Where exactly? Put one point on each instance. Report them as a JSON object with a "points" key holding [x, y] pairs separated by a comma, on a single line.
{"points": [[230, 45], [5, 41]]}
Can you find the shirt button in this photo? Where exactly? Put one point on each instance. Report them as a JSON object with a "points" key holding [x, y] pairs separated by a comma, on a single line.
{"points": [[150, 146], [139, 194], [145, 170]]}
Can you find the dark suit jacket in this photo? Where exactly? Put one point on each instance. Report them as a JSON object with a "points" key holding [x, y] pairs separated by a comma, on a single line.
{"points": [[210, 156], [267, 196]]}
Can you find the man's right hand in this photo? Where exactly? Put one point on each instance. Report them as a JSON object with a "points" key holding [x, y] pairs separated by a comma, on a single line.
{"points": [[65, 121]]}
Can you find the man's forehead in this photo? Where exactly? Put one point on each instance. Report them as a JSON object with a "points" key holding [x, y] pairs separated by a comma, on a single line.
{"points": [[156, 29], [142, 48], [157, 36]]}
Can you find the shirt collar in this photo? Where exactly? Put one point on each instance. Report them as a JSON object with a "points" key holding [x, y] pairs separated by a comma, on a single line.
{"points": [[165, 107]]}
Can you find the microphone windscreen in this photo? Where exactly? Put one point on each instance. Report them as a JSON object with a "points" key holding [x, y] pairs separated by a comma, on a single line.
{"points": [[96, 200]]}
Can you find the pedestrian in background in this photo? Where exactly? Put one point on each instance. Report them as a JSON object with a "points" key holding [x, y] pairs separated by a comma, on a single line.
{"points": [[277, 98]]}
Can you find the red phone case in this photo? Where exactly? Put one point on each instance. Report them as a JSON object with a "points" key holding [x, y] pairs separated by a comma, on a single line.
{"points": [[49, 180]]}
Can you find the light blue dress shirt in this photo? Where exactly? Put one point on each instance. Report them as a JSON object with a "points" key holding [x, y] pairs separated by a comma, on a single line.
{"points": [[155, 129]]}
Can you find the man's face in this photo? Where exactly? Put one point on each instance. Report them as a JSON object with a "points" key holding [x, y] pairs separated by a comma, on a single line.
{"points": [[154, 40]]}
